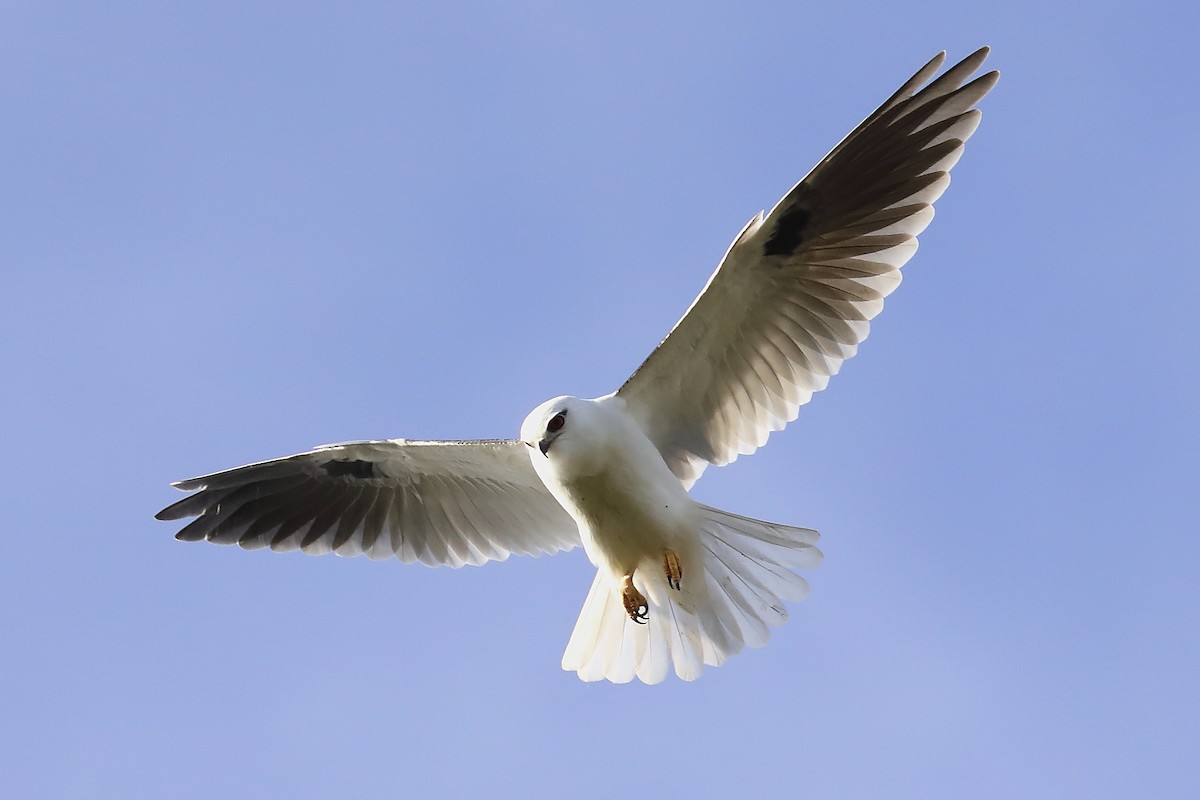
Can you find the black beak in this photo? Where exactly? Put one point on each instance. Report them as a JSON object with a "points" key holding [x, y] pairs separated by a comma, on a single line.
{"points": [[544, 446]]}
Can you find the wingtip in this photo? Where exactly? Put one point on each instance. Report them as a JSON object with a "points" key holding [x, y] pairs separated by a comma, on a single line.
{"points": [[976, 59], [167, 514], [987, 79], [173, 512], [936, 62]]}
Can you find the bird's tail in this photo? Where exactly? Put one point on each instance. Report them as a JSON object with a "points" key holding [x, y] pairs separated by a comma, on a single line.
{"points": [[747, 574]]}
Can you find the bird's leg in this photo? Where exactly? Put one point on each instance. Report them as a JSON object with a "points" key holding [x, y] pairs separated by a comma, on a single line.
{"points": [[673, 569], [635, 601]]}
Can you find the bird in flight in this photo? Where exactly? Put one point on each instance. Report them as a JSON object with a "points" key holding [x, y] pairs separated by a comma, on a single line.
{"points": [[678, 583]]}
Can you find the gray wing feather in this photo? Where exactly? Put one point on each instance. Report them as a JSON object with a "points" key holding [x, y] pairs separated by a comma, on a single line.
{"points": [[794, 295], [449, 503]]}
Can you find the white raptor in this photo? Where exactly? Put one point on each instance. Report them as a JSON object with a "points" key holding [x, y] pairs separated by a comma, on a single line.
{"points": [[677, 583]]}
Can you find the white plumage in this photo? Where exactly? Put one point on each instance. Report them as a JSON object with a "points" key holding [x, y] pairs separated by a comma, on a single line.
{"points": [[678, 584]]}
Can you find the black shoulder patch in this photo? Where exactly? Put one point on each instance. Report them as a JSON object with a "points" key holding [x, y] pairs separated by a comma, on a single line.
{"points": [[788, 233], [350, 469]]}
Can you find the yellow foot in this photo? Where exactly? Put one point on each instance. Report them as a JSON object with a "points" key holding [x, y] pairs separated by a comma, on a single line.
{"points": [[673, 569], [635, 601]]}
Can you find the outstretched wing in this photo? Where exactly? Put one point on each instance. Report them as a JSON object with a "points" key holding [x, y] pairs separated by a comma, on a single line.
{"points": [[435, 502], [792, 298]]}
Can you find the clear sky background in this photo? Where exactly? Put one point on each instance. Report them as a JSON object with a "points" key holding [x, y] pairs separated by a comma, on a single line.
{"points": [[233, 231]]}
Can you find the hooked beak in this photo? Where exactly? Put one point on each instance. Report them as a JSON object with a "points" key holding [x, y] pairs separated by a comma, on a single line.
{"points": [[543, 445]]}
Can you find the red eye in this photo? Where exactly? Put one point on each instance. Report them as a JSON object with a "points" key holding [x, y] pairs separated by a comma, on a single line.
{"points": [[556, 422]]}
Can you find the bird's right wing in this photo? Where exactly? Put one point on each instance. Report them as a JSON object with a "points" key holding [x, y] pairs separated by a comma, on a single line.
{"points": [[449, 503]]}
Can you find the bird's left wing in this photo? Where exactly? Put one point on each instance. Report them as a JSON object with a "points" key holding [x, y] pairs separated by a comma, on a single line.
{"points": [[449, 503], [793, 297]]}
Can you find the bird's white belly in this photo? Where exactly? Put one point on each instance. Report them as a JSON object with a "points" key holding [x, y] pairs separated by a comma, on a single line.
{"points": [[627, 519]]}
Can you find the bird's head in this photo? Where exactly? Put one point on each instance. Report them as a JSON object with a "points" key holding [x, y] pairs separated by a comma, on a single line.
{"points": [[570, 436], [550, 422]]}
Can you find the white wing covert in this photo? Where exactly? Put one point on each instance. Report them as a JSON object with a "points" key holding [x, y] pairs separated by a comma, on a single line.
{"points": [[793, 297], [450, 503]]}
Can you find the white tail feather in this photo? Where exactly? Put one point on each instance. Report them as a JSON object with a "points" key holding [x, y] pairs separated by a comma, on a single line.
{"points": [[747, 565]]}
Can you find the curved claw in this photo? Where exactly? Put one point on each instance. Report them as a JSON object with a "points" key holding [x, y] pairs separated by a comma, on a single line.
{"points": [[635, 602], [673, 569]]}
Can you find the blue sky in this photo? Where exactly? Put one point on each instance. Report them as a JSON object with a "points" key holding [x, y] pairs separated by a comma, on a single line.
{"points": [[231, 233]]}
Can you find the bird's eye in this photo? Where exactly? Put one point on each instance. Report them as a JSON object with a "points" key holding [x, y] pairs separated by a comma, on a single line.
{"points": [[556, 422]]}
